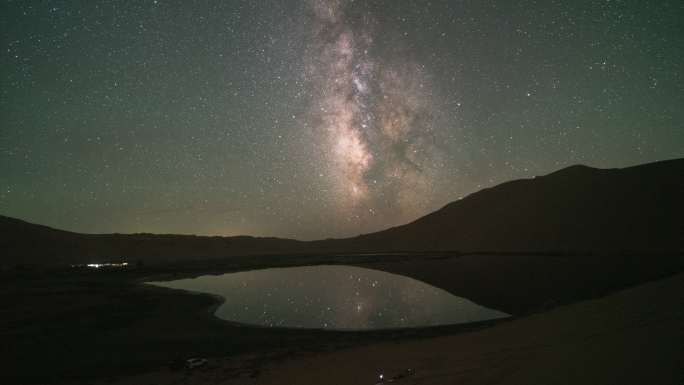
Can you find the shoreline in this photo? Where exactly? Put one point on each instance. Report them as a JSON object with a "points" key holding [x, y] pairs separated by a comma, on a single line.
{"points": [[598, 335], [153, 325]]}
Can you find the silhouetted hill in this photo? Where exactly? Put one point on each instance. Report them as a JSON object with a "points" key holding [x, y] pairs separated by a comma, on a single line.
{"points": [[578, 209], [30, 244]]}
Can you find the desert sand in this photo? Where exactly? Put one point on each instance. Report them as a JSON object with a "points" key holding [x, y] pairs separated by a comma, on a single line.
{"points": [[635, 336]]}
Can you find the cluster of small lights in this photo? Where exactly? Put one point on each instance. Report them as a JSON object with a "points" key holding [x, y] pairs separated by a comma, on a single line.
{"points": [[101, 265]]}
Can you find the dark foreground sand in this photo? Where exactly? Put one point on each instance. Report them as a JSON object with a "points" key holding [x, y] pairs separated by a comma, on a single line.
{"points": [[635, 336]]}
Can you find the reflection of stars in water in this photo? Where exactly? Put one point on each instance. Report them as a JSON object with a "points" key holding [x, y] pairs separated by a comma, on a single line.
{"points": [[356, 306], [350, 301]]}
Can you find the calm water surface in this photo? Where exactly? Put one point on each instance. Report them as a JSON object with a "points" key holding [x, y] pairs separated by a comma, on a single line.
{"points": [[332, 297]]}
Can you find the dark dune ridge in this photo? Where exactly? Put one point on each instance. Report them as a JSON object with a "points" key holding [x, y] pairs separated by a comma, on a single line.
{"points": [[577, 210], [523, 247]]}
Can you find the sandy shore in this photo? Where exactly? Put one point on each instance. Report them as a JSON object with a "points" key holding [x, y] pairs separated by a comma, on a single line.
{"points": [[630, 337]]}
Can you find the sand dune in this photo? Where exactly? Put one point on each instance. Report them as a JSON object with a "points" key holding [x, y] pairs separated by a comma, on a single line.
{"points": [[576, 210], [631, 337]]}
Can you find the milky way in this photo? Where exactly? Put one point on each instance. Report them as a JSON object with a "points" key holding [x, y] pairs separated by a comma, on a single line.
{"points": [[372, 117], [319, 118]]}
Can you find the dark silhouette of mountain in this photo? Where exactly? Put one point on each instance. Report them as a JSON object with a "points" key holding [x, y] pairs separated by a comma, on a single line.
{"points": [[30, 244], [578, 209]]}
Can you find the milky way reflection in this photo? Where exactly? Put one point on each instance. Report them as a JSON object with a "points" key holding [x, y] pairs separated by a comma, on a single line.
{"points": [[332, 297]]}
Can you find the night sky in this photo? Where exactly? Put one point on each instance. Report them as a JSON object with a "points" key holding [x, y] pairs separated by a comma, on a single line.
{"points": [[320, 118]]}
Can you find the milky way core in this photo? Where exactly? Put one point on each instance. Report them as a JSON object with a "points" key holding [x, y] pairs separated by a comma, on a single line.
{"points": [[319, 118], [371, 117]]}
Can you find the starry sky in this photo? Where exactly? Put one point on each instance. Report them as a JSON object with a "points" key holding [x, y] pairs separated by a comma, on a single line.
{"points": [[319, 118]]}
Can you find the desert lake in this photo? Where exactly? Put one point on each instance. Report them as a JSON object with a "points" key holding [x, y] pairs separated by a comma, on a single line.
{"points": [[335, 297]]}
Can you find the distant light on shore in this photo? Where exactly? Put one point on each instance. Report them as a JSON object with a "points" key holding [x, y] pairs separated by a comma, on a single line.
{"points": [[101, 265]]}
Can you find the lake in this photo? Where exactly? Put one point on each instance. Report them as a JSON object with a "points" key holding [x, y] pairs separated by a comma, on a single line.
{"points": [[332, 297]]}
